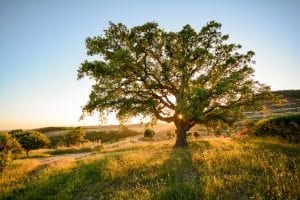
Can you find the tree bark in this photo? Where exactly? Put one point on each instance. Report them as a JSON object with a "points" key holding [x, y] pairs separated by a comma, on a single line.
{"points": [[181, 129]]}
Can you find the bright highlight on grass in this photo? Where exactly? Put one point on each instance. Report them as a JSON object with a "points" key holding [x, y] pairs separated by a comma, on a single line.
{"points": [[212, 168], [180, 116]]}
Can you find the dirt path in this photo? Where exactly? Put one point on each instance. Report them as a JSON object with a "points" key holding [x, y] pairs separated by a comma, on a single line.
{"points": [[76, 156]]}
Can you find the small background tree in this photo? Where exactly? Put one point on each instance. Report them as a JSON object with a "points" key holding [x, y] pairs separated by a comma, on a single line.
{"points": [[9, 148], [31, 140], [149, 133], [75, 136]]}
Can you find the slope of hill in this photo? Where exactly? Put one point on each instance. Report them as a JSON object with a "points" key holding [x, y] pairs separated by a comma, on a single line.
{"points": [[211, 168], [291, 105]]}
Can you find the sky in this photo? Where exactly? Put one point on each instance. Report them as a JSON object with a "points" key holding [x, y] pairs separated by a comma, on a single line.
{"points": [[42, 44]]}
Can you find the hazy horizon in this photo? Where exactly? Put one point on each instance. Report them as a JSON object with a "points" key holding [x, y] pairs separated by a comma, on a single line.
{"points": [[43, 44]]}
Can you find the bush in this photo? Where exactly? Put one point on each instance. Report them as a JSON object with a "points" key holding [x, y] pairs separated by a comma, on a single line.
{"points": [[286, 127], [31, 140], [110, 136], [51, 129], [75, 136], [15, 132], [189, 134], [149, 133], [9, 144], [57, 140], [196, 134], [9, 148], [170, 135]]}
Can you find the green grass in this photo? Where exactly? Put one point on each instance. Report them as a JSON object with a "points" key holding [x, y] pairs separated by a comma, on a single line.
{"points": [[213, 168]]}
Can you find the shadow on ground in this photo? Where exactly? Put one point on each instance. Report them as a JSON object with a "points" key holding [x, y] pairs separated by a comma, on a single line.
{"points": [[115, 176], [181, 178]]}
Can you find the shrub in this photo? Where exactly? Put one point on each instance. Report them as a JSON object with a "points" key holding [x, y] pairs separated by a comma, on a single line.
{"points": [[75, 136], [9, 144], [9, 148], [286, 127], [196, 134], [170, 135], [15, 132], [57, 140], [31, 140], [149, 133], [51, 129], [189, 134], [110, 136]]}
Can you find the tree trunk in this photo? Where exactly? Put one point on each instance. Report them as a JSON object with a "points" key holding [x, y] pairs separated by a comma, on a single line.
{"points": [[27, 152], [181, 129]]}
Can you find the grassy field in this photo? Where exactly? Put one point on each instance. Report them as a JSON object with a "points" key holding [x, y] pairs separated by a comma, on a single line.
{"points": [[109, 133], [98, 136], [211, 168]]}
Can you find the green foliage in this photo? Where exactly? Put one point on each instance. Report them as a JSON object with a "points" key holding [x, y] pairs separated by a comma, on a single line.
{"points": [[50, 129], [149, 133], [9, 144], [57, 140], [146, 70], [286, 127], [31, 140], [189, 133], [75, 136], [170, 134], [196, 134], [9, 148], [15, 132], [110, 136], [96, 136], [73, 150]]}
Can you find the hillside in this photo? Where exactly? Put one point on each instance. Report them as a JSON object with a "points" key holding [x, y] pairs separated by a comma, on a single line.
{"points": [[211, 168], [291, 105], [292, 97]]}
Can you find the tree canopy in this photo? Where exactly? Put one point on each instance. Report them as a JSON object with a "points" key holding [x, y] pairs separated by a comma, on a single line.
{"points": [[186, 77], [74, 136], [31, 140]]}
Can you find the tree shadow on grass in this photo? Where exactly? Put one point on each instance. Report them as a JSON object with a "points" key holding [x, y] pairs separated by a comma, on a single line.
{"points": [[175, 178], [180, 177], [199, 145], [62, 184]]}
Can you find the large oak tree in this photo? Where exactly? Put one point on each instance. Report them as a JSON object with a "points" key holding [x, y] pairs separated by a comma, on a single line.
{"points": [[185, 77]]}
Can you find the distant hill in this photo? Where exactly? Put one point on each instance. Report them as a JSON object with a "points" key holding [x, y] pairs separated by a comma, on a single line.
{"points": [[292, 97], [51, 129], [290, 106]]}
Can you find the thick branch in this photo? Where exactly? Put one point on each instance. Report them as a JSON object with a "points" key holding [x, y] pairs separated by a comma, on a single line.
{"points": [[158, 116]]}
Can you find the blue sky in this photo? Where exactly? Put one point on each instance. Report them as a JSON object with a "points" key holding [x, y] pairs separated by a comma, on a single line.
{"points": [[42, 44]]}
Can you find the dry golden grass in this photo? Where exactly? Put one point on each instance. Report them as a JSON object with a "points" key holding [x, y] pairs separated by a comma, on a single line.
{"points": [[211, 168]]}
